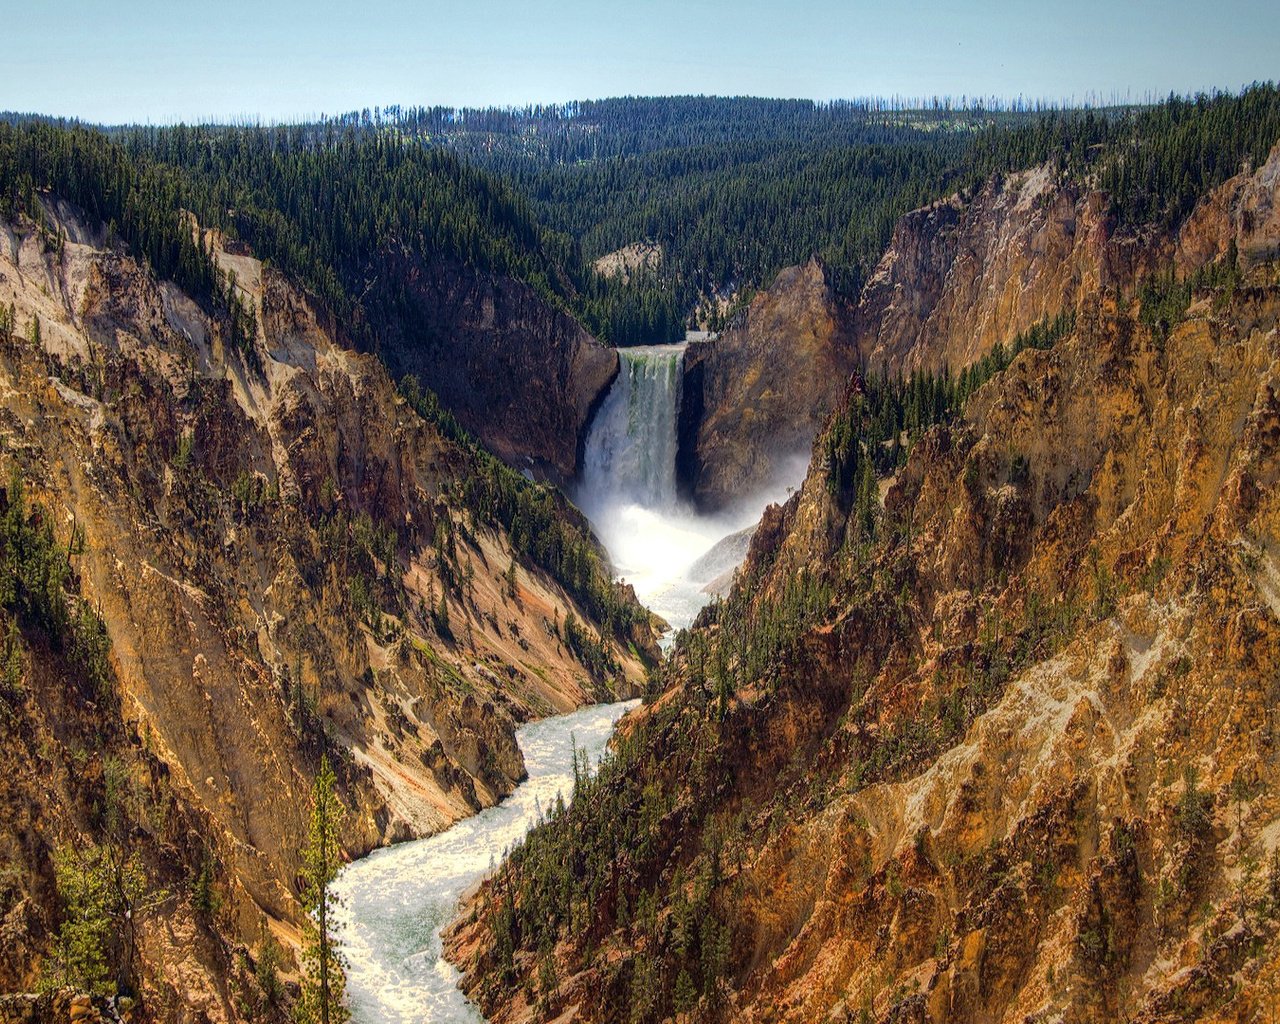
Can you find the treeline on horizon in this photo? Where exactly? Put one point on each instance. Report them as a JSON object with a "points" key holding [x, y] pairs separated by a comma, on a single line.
{"points": [[731, 189], [730, 214], [624, 111]]}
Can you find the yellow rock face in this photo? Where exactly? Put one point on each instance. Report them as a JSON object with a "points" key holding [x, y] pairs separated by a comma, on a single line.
{"points": [[227, 504], [1022, 766]]}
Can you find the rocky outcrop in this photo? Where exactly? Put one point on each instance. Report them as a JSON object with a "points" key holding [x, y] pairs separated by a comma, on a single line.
{"points": [[754, 397], [1008, 754], [975, 269], [1244, 213], [520, 375], [279, 548], [630, 261]]}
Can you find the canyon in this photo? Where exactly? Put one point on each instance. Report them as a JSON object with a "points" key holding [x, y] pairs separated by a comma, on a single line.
{"points": [[1000, 745], [277, 547], [939, 584]]}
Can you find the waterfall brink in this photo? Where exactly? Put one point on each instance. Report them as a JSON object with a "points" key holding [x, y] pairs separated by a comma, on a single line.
{"points": [[630, 454]]}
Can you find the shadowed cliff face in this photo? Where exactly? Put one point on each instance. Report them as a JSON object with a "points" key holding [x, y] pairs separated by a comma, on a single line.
{"points": [[755, 396], [958, 277], [1009, 756], [278, 547], [521, 376]]}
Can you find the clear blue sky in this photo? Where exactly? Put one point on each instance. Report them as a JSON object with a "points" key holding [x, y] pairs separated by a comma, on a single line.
{"points": [[146, 60]]}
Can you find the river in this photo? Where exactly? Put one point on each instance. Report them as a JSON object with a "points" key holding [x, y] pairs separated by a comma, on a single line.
{"points": [[395, 901]]}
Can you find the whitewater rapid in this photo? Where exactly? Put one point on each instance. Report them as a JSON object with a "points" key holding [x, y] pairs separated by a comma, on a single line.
{"points": [[395, 901]]}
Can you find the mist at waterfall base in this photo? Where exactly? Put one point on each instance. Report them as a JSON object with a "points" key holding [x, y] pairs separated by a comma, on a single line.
{"points": [[395, 901], [665, 549]]}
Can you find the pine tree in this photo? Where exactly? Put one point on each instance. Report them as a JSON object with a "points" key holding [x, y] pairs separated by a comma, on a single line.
{"points": [[205, 900], [11, 665], [324, 983], [85, 937], [442, 617], [867, 500]]}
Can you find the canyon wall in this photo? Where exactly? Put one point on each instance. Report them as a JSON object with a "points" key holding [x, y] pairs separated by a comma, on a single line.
{"points": [[289, 562], [520, 375], [1001, 747], [959, 276], [754, 397]]}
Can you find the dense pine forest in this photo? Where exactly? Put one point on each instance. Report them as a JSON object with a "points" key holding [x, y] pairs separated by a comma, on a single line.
{"points": [[730, 189], [735, 189]]}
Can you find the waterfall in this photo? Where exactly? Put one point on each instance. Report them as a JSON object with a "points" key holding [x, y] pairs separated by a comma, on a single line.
{"points": [[628, 484], [673, 556], [630, 454]]}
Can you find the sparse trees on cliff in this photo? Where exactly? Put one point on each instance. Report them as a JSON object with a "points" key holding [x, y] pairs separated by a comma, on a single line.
{"points": [[80, 951], [324, 983], [104, 892], [542, 531]]}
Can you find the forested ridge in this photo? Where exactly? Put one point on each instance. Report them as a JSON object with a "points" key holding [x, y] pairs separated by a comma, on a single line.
{"points": [[332, 212], [735, 189], [731, 189]]}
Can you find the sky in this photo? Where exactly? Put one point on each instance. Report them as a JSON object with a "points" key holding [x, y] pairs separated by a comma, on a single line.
{"points": [[274, 60]]}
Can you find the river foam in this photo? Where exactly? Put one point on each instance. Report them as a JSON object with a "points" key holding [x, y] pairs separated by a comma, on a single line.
{"points": [[395, 901]]}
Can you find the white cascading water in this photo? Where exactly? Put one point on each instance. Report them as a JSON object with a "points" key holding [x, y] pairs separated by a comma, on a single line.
{"points": [[630, 454], [628, 489]]}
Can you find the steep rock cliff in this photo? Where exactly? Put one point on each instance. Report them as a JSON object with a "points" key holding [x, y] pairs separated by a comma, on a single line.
{"points": [[1006, 753], [520, 375], [968, 271], [754, 397], [959, 277], [286, 563]]}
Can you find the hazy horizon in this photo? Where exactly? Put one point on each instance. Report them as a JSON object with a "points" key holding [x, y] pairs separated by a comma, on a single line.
{"points": [[143, 62], [958, 103]]}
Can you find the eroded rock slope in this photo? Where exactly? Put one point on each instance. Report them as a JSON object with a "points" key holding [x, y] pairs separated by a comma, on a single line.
{"points": [[1000, 748], [520, 375], [288, 559]]}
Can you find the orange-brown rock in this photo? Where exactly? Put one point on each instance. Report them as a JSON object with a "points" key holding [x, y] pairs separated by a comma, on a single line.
{"points": [[754, 397], [975, 269], [1018, 762], [273, 539]]}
